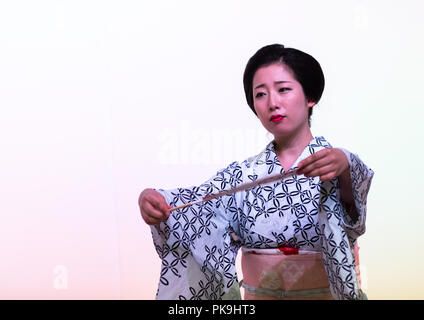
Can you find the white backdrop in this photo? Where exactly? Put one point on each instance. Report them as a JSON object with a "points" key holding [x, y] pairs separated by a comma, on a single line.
{"points": [[101, 99]]}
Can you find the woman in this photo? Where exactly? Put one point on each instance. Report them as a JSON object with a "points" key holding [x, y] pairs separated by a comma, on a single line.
{"points": [[307, 223]]}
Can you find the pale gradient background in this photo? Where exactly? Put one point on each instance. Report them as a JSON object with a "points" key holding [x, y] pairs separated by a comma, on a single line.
{"points": [[101, 99]]}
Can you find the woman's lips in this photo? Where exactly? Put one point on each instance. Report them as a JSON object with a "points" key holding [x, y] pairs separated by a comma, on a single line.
{"points": [[277, 118]]}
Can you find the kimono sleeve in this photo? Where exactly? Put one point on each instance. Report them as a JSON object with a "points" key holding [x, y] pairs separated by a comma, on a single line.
{"points": [[361, 177], [195, 244]]}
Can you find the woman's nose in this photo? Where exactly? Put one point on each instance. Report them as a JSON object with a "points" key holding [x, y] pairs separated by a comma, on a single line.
{"points": [[273, 101]]}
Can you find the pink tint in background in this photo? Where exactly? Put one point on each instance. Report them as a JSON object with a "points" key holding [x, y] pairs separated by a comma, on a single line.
{"points": [[101, 99]]}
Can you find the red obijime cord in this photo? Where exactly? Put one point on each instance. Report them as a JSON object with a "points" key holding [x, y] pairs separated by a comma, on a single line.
{"points": [[289, 251]]}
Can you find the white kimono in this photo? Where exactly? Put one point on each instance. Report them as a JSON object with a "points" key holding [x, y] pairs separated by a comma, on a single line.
{"points": [[197, 243]]}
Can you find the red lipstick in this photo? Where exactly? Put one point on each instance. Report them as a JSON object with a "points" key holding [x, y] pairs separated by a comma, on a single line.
{"points": [[277, 118]]}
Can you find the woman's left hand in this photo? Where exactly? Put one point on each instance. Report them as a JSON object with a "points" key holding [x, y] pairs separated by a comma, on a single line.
{"points": [[327, 164]]}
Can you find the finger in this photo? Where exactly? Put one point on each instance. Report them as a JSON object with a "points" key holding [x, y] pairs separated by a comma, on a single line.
{"points": [[164, 215], [328, 177], [318, 164], [158, 202], [151, 212], [313, 158], [321, 171], [164, 208], [152, 222]]}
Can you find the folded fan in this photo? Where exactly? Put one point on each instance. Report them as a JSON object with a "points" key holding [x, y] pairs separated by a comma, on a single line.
{"points": [[244, 186]]}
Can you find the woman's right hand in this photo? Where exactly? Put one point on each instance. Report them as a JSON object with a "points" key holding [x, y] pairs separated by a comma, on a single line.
{"points": [[153, 207]]}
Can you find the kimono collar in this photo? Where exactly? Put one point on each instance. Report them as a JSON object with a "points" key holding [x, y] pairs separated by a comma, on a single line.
{"points": [[270, 155]]}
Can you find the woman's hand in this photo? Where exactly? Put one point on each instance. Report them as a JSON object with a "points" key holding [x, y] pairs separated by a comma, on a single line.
{"points": [[327, 164], [153, 207]]}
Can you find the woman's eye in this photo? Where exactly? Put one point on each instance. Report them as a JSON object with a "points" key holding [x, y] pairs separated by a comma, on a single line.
{"points": [[259, 94], [284, 89]]}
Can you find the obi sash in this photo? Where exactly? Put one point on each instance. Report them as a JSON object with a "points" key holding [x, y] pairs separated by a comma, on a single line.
{"points": [[278, 274]]}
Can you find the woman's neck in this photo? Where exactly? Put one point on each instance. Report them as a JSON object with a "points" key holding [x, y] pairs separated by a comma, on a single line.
{"points": [[290, 147]]}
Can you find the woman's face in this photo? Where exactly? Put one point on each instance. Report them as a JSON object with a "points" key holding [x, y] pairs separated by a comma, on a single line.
{"points": [[279, 101]]}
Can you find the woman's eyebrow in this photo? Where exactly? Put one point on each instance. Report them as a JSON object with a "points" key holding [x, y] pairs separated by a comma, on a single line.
{"points": [[282, 81], [275, 82]]}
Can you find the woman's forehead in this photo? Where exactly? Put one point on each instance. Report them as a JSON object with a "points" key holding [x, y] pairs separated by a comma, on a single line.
{"points": [[273, 72]]}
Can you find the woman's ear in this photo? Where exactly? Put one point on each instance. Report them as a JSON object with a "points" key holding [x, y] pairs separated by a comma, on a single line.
{"points": [[311, 104]]}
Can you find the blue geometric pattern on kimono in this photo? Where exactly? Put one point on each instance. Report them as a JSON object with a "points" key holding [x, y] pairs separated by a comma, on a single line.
{"points": [[197, 247]]}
